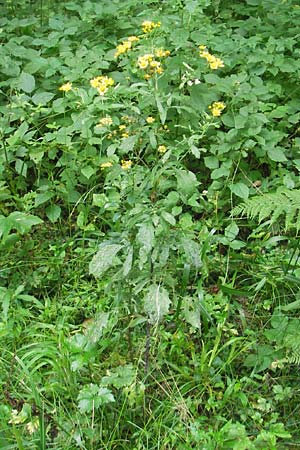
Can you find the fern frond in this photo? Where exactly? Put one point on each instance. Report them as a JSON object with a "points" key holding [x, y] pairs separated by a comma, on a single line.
{"points": [[276, 205]]}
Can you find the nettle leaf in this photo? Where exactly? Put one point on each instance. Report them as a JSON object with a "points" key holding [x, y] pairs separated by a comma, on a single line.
{"points": [[186, 183], [240, 189], [128, 262], [192, 312], [145, 237], [192, 252], [156, 303], [93, 396], [104, 258], [26, 82]]}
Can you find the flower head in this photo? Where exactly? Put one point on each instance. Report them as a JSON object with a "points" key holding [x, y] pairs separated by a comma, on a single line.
{"points": [[162, 149], [126, 45], [149, 26], [213, 61], [216, 108], [102, 83], [65, 87], [105, 122], [144, 61], [160, 53], [106, 164], [126, 164], [150, 119]]}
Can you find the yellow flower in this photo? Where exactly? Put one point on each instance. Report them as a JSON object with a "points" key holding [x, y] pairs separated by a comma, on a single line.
{"points": [[122, 127], [150, 119], [66, 87], [94, 82], [213, 61], [144, 61], [159, 70], [106, 164], [160, 53], [125, 135], [148, 26], [126, 164], [105, 122], [102, 83], [216, 108], [102, 90], [133, 39], [147, 76], [162, 149]]}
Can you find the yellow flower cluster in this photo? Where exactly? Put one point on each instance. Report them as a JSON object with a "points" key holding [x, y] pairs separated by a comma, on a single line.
{"points": [[148, 62], [162, 149], [102, 84], [150, 119], [125, 46], [105, 122], [216, 108], [148, 26], [126, 164], [160, 53], [106, 165], [123, 131], [66, 87], [213, 61]]}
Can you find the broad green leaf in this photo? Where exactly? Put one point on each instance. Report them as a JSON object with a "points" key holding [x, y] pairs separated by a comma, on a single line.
{"points": [[231, 231], [186, 183], [195, 151], [192, 252], [127, 144], [219, 173], [88, 171], [211, 162], [42, 198], [99, 200], [168, 218], [5, 298], [18, 134], [53, 212], [26, 82], [42, 98], [120, 377], [276, 154], [145, 237], [104, 258], [128, 262], [96, 327], [156, 303], [162, 111], [240, 189], [23, 222], [191, 311]]}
